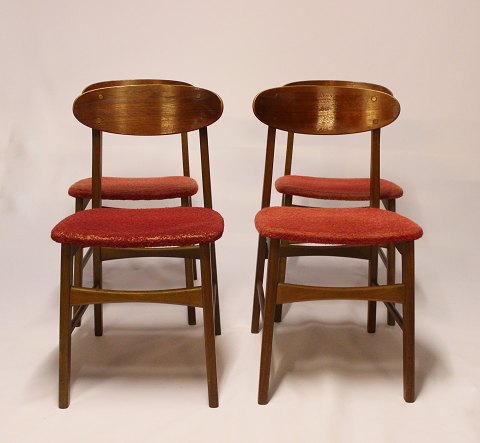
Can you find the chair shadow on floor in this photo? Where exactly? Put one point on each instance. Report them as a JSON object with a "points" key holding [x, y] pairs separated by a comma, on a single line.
{"points": [[313, 347], [150, 355], [310, 341]]}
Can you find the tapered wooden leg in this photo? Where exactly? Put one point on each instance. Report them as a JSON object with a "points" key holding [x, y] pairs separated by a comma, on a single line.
{"points": [[78, 276], [408, 271], [260, 269], [97, 283], [267, 337], [390, 277], [190, 271], [78, 267], [372, 281], [65, 343], [281, 279], [218, 327], [391, 206], [194, 264], [192, 320], [208, 325]]}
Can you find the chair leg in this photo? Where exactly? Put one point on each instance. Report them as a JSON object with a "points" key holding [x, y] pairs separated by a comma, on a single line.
{"points": [[78, 269], [372, 281], [408, 271], [281, 279], [190, 271], [218, 327], [390, 277], [260, 269], [391, 206], [208, 324], [78, 276], [194, 265], [267, 337], [65, 342], [189, 263], [97, 283]]}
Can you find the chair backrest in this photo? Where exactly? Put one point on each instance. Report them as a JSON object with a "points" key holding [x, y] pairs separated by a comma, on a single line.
{"points": [[346, 83], [110, 83], [147, 110], [184, 136], [325, 110]]}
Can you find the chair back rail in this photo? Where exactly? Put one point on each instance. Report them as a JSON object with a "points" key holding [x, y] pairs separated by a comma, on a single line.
{"points": [[154, 109], [143, 81], [325, 110], [346, 83]]}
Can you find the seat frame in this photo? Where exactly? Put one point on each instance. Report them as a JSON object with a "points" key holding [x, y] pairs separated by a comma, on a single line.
{"points": [[74, 298], [275, 251]]}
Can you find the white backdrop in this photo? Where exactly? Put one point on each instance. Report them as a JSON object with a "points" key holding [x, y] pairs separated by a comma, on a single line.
{"points": [[145, 380]]}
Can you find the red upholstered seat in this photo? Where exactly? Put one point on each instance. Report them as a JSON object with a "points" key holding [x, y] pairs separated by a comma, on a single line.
{"points": [[144, 188], [354, 189], [123, 228], [349, 226]]}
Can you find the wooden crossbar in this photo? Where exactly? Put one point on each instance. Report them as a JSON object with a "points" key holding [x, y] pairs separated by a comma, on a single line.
{"points": [[185, 297], [290, 293], [180, 252]]}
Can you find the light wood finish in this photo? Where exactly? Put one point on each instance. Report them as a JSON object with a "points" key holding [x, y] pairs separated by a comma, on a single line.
{"points": [[126, 104], [326, 110]]}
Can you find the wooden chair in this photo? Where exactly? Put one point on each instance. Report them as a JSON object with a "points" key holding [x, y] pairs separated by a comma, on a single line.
{"points": [[340, 189], [185, 232], [351, 232], [137, 188]]}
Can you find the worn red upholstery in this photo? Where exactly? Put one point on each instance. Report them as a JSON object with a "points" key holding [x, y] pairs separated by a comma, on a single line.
{"points": [[348, 226], [354, 189], [144, 188], [123, 228]]}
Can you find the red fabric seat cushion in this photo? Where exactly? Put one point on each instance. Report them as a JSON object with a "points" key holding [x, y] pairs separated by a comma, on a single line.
{"points": [[141, 188], [111, 227], [348, 226], [354, 189]]}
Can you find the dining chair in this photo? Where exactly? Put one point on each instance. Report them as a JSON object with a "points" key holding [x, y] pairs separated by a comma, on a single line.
{"points": [[134, 189], [289, 231], [338, 189], [183, 232]]}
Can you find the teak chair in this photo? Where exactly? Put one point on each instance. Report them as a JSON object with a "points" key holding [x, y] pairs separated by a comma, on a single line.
{"points": [[185, 232], [351, 232], [340, 189], [134, 188]]}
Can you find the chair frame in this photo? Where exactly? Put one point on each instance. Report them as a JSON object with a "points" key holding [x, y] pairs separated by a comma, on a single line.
{"points": [[99, 256], [75, 299], [388, 259], [278, 292]]}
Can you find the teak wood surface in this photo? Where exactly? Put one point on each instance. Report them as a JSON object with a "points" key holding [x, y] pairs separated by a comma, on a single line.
{"points": [[329, 110], [165, 109]]}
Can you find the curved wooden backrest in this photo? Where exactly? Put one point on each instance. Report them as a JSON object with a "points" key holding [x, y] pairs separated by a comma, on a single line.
{"points": [[346, 83], [325, 109], [111, 83], [154, 109]]}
